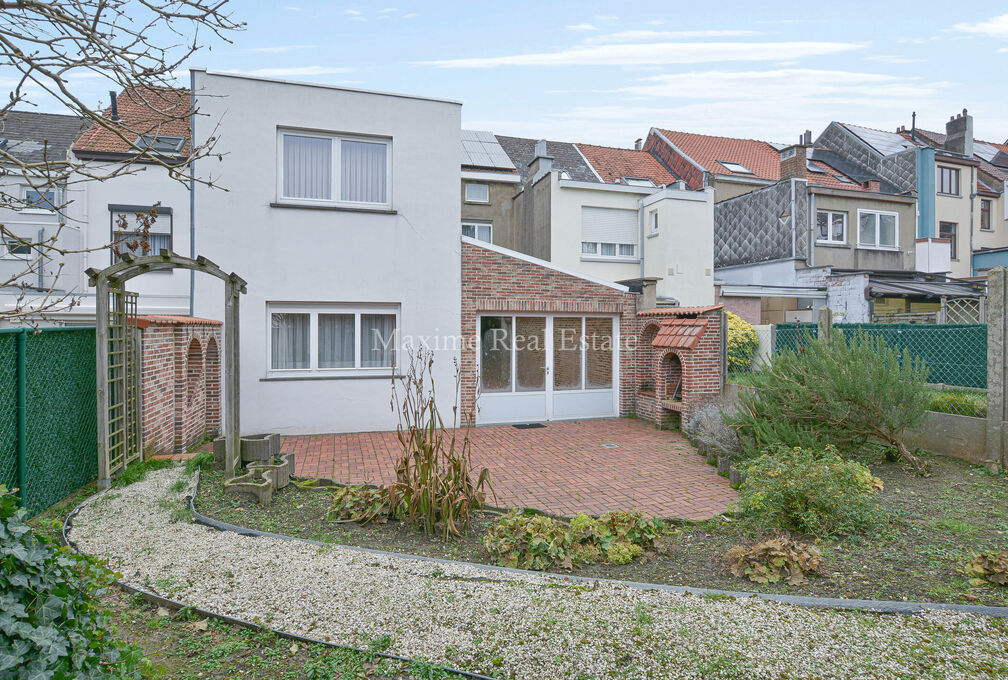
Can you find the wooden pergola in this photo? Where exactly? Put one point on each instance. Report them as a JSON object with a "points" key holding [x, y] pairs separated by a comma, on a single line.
{"points": [[111, 281]]}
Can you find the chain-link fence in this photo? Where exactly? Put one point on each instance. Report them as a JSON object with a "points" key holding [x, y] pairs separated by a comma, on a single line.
{"points": [[54, 449], [748, 349], [955, 356]]}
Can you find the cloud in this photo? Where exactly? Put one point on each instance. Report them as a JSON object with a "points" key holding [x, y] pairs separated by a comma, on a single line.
{"points": [[893, 59], [638, 36], [1003, 50], [995, 27], [280, 48], [654, 53], [603, 17], [352, 12], [288, 71], [389, 10], [581, 27]]}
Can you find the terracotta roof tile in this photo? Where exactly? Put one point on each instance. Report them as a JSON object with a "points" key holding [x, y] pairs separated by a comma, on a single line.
{"points": [[145, 320], [679, 311], [613, 164], [680, 333], [162, 112], [707, 150]]}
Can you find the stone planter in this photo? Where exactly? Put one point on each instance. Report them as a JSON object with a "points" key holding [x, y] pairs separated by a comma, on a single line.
{"points": [[723, 465], [281, 471], [712, 458], [260, 447], [257, 483], [736, 477]]}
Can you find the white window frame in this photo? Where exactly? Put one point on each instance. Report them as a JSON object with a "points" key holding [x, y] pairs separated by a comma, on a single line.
{"points": [[958, 177], [334, 174], [477, 200], [653, 223], [313, 310], [597, 255], [830, 238], [877, 214], [25, 188], [477, 224], [5, 251]]}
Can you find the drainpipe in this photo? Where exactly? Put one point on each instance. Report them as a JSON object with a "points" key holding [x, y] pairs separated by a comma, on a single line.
{"points": [[22, 415], [794, 225], [812, 228], [973, 195], [640, 219], [192, 191]]}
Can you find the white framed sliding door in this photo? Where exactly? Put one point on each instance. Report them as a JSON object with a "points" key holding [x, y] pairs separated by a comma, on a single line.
{"points": [[547, 367]]}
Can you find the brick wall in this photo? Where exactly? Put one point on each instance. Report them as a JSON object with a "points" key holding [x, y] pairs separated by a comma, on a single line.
{"points": [[496, 282], [181, 381], [674, 162], [747, 308]]}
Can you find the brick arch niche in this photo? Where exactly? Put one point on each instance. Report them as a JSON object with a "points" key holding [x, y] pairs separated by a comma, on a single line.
{"points": [[212, 391]]}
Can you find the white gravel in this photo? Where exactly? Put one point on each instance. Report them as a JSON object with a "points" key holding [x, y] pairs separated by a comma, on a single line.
{"points": [[513, 626]]}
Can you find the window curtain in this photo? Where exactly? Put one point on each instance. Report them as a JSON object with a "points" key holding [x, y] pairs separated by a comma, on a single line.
{"points": [[290, 341], [377, 340], [336, 340], [363, 171], [307, 167]]}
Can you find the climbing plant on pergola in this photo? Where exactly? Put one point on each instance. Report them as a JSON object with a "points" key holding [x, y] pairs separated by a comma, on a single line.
{"points": [[112, 321]]}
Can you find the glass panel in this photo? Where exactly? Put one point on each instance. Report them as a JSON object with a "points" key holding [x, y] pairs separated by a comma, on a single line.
{"points": [[838, 227], [40, 200], [887, 230], [626, 249], [567, 353], [484, 233], [478, 192], [135, 244], [866, 234], [469, 230], [589, 248], [307, 167], [289, 341], [495, 354], [377, 340], [362, 176], [608, 249], [336, 340], [598, 353], [822, 226], [530, 353], [19, 248]]}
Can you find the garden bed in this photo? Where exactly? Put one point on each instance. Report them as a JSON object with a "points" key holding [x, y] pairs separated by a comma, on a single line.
{"points": [[936, 525]]}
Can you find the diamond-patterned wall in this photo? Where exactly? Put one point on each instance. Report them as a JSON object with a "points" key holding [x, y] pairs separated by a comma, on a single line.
{"points": [[756, 227]]}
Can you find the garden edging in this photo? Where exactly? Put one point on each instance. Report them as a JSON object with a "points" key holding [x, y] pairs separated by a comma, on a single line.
{"points": [[878, 606]]}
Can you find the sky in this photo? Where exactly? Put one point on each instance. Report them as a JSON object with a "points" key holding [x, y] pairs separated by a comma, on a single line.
{"points": [[606, 72]]}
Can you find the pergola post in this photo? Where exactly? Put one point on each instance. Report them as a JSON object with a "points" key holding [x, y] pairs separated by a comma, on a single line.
{"points": [[101, 383], [232, 433]]}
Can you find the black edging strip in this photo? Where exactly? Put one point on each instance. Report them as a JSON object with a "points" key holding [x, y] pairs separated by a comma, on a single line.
{"points": [[879, 606], [175, 604]]}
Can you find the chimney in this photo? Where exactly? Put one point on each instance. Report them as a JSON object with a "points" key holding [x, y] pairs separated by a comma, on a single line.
{"points": [[114, 115], [637, 144], [793, 159], [959, 134], [872, 185], [542, 163]]}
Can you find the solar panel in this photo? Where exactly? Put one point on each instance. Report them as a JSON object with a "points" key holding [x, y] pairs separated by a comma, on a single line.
{"points": [[480, 148], [985, 151], [886, 143]]}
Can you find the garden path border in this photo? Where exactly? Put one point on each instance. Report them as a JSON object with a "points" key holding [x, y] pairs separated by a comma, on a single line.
{"points": [[878, 606], [168, 603]]}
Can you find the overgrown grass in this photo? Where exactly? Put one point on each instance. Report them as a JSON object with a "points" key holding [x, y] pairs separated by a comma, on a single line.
{"points": [[136, 471], [961, 402], [204, 459]]}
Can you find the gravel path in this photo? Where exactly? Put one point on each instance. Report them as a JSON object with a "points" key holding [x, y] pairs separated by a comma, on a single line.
{"points": [[500, 624]]}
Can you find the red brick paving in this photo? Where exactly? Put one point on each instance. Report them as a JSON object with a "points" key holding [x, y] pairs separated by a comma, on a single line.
{"points": [[562, 468]]}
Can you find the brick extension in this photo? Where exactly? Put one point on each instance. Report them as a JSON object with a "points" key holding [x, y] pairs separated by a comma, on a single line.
{"points": [[563, 467]]}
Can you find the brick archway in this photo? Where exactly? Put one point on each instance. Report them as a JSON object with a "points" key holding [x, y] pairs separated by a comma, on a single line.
{"points": [[211, 369]]}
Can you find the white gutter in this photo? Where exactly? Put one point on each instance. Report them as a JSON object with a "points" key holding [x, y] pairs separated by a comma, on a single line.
{"points": [[603, 186], [491, 176]]}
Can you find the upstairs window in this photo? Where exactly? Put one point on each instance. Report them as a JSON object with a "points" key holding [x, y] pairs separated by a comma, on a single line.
{"points": [[948, 180], [131, 235], [985, 214], [38, 201], [653, 223], [477, 193], [948, 230], [336, 170], [878, 229], [831, 226], [482, 231], [609, 233]]}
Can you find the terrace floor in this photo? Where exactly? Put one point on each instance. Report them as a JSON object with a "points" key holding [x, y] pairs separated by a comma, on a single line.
{"points": [[587, 466]]}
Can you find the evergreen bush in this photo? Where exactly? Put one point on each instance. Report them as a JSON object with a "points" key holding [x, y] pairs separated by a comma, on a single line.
{"points": [[741, 343]]}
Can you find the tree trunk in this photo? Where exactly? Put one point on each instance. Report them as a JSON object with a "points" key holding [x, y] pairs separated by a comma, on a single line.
{"points": [[916, 463]]}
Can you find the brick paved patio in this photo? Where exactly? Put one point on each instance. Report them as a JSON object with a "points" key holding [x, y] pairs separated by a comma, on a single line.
{"points": [[563, 467]]}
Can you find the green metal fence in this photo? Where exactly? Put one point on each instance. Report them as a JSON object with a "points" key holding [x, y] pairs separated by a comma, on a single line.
{"points": [[48, 429], [954, 354]]}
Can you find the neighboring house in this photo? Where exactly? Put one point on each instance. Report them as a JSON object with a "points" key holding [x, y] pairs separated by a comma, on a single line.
{"points": [[614, 214], [36, 138], [161, 119], [489, 183]]}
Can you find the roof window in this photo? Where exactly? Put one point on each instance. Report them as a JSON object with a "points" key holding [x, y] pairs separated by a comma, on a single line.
{"points": [[732, 166], [160, 143], [638, 181]]}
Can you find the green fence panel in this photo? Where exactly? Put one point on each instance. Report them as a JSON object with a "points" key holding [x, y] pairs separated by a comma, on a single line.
{"points": [[8, 410], [789, 336]]}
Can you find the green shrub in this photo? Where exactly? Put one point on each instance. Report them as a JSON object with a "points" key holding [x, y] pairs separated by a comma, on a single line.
{"points": [[810, 492], [203, 459], [533, 541], [960, 402], [52, 624], [740, 345], [779, 559]]}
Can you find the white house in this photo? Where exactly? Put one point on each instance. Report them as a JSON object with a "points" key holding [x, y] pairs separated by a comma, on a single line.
{"points": [[342, 212]]}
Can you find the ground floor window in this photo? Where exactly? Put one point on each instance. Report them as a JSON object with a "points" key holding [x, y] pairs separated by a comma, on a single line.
{"points": [[330, 338], [482, 231]]}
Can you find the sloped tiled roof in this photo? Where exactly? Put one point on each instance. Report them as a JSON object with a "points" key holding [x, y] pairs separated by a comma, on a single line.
{"points": [[161, 112], [680, 311], [679, 333], [521, 151], [39, 137], [613, 164], [706, 150]]}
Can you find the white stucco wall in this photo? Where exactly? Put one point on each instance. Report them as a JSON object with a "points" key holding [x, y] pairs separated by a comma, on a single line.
{"points": [[410, 258], [682, 254]]}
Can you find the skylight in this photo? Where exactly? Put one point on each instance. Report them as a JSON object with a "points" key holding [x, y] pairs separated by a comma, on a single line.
{"points": [[161, 143], [841, 178], [638, 182], [812, 167], [731, 166]]}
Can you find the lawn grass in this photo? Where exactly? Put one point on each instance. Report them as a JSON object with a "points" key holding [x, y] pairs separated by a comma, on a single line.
{"points": [[935, 526]]}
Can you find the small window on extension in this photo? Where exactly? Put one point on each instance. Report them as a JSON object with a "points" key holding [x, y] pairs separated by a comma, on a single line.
{"points": [[161, 143]]}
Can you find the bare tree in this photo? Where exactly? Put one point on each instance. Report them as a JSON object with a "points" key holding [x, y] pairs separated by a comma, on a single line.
{"points": [[49, 50]]}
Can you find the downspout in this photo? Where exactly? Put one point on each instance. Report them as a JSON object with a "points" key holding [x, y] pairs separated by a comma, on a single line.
{"points": [[192, 191], [794, 224], [812, 228], [640, 219], [973, 195]]}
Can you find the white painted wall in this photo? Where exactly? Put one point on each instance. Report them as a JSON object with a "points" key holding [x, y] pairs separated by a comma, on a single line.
{"points": [[412, 257], [682, 254]]}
